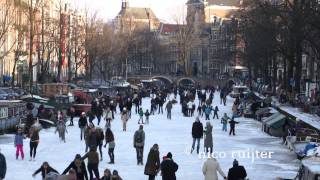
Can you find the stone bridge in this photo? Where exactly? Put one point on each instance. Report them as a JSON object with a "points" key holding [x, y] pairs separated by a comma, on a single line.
{"points": [[175, 79]]}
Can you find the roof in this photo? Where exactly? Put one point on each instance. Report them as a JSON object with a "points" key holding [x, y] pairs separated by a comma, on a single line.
{"points": [[275, 120], [312, 120], [138, 13], [166, 29], [224, 2], [194, 1]]}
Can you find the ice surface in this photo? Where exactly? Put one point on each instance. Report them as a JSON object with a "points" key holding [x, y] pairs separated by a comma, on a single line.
{"points": [[172, 136]]}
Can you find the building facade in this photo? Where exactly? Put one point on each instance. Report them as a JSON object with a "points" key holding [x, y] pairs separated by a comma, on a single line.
{"points": [[43, 24]]}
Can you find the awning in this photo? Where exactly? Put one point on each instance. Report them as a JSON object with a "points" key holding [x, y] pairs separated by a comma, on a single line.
{"points": [[262, 111], [277, 122], [265, 120]]}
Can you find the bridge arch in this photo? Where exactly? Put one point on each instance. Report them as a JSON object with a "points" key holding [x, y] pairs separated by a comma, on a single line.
{"points": [[164, 79], [186, 80]]}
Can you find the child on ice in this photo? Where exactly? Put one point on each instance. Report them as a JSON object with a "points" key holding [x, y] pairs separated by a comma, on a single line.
{"points": [[224, 122], [18, 143], [140, 116], [147, 114]]}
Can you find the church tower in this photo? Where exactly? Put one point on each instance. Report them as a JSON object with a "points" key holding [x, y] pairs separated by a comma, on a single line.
{"points": [[196, 14]]}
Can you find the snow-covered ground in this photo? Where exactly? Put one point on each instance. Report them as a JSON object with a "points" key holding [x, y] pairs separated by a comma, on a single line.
{"points": [[172, 136]]}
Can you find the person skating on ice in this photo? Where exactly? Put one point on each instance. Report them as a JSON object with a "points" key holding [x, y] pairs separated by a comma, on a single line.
{"points": [[153, 162], [140, 116], [197, 134], [224, 122], [237, 172], [232, 123], [138, 144]]}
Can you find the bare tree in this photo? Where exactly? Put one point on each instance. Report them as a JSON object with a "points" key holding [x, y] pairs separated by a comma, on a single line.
{"points": [[7, 10], [184, 38]]}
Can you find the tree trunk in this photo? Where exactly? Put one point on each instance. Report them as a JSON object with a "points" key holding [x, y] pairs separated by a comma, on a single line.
{"points": [[298, 64], [14, 70], [275, 74], [59, 65], [31, 52], [69, 67]]}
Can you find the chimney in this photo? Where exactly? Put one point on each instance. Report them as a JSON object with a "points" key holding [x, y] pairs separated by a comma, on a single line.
{"points": [[125, 4]]}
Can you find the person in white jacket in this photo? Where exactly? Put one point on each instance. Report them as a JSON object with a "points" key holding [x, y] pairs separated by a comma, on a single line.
{"points": [[210, 168]]}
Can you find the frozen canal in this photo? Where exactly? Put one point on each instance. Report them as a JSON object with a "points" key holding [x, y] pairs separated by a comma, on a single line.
{"points": [[172, 136]]}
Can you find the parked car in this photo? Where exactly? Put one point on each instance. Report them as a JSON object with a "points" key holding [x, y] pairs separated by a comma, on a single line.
{"points": [[19, 91], [12, 94], [4, 95]]}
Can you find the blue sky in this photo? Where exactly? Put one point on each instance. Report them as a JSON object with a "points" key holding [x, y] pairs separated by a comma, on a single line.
{"points": [[165, 10]]}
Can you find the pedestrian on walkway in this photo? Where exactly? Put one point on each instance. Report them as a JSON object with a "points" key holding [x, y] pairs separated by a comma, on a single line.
{"points": [[18, 143], [138, 144], [153, 162], [197, 134], [82, 124]]}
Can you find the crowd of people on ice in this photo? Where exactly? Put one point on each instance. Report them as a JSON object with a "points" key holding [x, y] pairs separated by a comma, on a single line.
{"points": [[95, 138]]}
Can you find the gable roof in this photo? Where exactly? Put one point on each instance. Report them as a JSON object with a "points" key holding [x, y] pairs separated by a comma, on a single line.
{"points": [[138, 13], [166, 29], [224, 2]]}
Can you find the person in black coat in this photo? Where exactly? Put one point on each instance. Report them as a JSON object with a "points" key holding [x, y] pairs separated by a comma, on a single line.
{"points": [[169, 168], [82, 124], [79, 166], [237, 172], [216, 109], [197, 134], [99, 111], [3, 166], [44, 169], [232, 126]]}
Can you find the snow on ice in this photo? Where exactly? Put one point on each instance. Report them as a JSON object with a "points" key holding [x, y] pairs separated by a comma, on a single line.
{"points": [[263, 156]]}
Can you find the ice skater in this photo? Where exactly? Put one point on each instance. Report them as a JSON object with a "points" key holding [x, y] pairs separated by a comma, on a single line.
{"points": [[141, 116], [232, 126], [18, 143], [224, 122]]}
